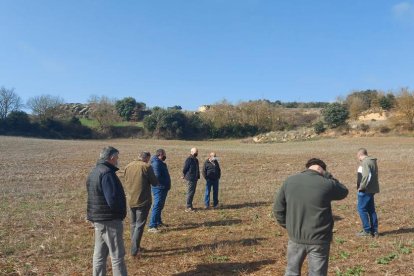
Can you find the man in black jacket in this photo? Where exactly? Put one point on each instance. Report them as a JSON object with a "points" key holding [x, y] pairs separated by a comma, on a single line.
{"points": [[106, 209], [191, 173], [303, 207], [211, 173]]}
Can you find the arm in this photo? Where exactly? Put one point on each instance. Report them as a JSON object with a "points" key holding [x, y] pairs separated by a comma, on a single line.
{"points": [[339, 191], [279, 207], [204, 170], [366, 176], [186, 166], [151, 177], [156, 168], [110, 190], [218, 169]]}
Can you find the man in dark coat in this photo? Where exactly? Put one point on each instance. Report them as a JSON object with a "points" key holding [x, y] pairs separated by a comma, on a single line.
{"points": [[191, 173], [211, 173], [106, 209]]}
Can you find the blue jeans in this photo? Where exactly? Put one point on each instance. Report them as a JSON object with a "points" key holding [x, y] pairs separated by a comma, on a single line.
{"points": [[109, 241], [366, 210], [138, 220], [318, 258], [159, 197], [215, 185]]}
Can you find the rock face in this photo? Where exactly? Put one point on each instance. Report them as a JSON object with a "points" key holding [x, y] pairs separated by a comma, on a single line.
{"points": [[285, 136], [77, 109]]}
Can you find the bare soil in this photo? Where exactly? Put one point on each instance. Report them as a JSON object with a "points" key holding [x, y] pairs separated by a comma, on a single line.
{"points": [[43, 230]]}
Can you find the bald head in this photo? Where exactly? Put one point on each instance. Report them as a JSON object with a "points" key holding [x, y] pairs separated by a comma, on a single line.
{"points": [[194, 151]]}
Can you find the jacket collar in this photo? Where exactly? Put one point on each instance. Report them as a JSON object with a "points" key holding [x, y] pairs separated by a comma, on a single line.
{"points": [[109, 165]]}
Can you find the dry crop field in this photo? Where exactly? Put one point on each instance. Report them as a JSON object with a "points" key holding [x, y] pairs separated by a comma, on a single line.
{"points": [[43, 200]]}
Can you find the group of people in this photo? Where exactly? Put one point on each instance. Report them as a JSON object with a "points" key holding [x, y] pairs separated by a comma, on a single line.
{"points": [[302, 205], [146, 182]]}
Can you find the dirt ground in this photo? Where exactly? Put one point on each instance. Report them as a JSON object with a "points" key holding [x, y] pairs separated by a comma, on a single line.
{"points": [[43, 203]]}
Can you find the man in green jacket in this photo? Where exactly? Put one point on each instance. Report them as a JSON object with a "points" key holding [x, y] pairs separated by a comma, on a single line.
{"points": [[303, 207], [139, 176], [368, 186]]}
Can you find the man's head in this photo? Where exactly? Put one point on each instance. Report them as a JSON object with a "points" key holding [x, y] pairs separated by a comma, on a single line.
{"points": [[362, 153], [212, 156], [194, 152], [316, 165], [161, 154], [144, 156], [110, 155]]}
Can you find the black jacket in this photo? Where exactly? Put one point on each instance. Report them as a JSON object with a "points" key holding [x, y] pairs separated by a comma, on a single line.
{"points": [[211, 170], [106, 197], [191, 170]]}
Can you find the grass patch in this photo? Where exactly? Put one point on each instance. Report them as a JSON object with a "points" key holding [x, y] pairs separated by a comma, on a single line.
{"points": [[353, 271], [387, 259]]}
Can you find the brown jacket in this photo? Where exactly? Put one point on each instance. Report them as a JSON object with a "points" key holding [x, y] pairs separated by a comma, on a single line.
{"points": [[139, 176]]}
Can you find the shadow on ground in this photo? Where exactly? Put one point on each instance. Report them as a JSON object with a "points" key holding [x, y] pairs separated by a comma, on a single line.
{"points": [[398, 231], [187, 226], [246, 205], [226, 268], [157, 252]]}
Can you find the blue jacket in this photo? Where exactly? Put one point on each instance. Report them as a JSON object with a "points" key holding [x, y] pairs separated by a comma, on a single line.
{"points": [[161, 172]]}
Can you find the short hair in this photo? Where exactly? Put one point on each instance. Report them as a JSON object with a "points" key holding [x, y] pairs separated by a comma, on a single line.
{"points": [[143, 155], [160, 152], [316, 161], [108, 152], [363, 151]]}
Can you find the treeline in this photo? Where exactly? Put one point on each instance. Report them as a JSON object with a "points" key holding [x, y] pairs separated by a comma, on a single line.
{"points": [[128, 117]]}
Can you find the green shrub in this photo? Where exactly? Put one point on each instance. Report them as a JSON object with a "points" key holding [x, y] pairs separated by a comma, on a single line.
{"points": [[335, 114], [319, 127]]}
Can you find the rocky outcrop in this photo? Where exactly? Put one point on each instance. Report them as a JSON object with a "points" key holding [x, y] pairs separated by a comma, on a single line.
{"points": [[77, 109], [285, 136]]}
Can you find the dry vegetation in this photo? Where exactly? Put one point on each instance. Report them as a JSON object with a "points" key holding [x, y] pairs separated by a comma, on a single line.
{"points": [[42, 209]]}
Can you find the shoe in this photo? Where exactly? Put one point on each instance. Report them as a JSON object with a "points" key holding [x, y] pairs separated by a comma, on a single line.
{"points": [[364, 234], [153, 230], [206, 207], [188, 210], [163, 225], [216, 206], [375, 234]]}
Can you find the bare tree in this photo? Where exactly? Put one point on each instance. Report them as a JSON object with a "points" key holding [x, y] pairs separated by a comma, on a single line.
{"points": [[45, 106], [103, 111], [405, 105], [9, 101]]}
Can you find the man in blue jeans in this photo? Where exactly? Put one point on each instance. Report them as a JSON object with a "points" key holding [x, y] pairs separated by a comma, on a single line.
{"points": [[212, 173], [368, 186], [160, 191]]}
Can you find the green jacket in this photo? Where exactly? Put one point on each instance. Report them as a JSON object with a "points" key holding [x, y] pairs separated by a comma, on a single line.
{"points": [[139, 176], [303, 206], [368, 176]]}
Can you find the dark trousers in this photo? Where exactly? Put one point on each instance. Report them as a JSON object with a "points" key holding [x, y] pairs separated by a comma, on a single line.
{"points": [[191, 189], [215, 185], [139, 217]]}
